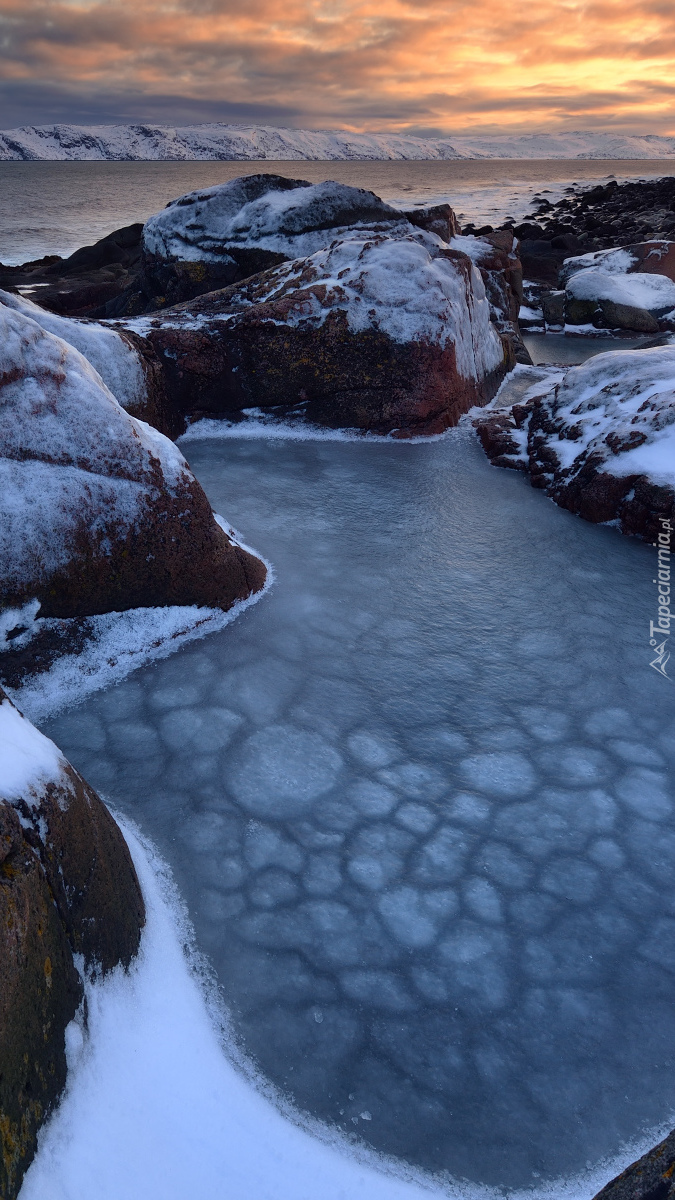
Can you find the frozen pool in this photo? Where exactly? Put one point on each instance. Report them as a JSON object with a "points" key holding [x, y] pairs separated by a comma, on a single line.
{"points": [[419, 801]]}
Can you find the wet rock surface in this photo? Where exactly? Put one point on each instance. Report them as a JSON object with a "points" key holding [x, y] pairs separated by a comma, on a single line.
{"points": [[425, 842], [108, 508], [67, 887]]}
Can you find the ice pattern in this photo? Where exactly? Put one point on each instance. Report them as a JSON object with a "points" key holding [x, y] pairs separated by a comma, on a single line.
{"points": [[419, 802]]}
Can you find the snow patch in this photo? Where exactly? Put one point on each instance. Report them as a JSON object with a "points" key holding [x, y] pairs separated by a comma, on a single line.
{"points": [[27, 757], [110, 355]]}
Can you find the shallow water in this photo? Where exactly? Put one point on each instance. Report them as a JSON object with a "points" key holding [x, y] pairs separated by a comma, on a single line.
{"points": [[419, 801], [55, 207], [557, 348]]}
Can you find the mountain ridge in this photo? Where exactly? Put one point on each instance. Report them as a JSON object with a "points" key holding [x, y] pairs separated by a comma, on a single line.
{"points": [[219, 141]]}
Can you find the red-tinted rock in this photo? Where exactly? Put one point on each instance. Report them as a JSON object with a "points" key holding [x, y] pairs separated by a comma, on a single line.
{"points": [[385, 333], [67, 887], [101, 512]]}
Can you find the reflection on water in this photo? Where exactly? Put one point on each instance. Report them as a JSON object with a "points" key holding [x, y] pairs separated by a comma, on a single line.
{"points": [[419, 801]]}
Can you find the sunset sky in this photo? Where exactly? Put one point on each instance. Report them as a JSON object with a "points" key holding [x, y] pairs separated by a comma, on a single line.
{"points": [[423, 66]]}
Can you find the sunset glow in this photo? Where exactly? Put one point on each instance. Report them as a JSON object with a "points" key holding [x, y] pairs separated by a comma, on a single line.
{"points": [[417, 65]]}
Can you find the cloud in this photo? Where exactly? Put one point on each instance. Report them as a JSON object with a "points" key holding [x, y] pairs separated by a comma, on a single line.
{"points": [[447, 65]]}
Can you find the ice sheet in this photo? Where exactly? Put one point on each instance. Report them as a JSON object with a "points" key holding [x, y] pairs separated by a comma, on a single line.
{"points": [[413, 807]]}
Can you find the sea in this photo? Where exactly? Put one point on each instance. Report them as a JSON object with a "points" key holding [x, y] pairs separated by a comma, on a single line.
{"points": [[56, 207]]}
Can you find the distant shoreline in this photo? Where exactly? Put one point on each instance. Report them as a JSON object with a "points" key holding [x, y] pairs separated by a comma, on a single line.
{"points": [[216, 142]]}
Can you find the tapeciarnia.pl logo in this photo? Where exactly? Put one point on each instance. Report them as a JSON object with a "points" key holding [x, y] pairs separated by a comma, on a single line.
{"points": [[659, 630]]}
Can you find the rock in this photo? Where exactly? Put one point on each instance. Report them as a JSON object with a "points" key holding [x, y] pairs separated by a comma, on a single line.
{"points": [[124, 361], [67, 887], [601, 443], [224, 234], [608, 298], [541, 263], [86, 281], [435, 218], [553, 307], [652, 1177], [495, 255], [381, 332], [101, 512]]}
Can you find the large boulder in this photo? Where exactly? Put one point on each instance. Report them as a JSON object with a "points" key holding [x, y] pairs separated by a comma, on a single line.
{"points": [[124, 361], [496, 257], [601, 443], [627, 287], [69, 897], [380, 331], [655, 257], [100, 511], [642, 303], [220, 235]]}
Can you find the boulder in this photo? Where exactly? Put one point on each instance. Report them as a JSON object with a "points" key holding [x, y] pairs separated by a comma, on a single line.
{"points": [[655, 257], [601, 443], [553, 307], [100, 511], [223, 234], [124, 361], [380, 332], [496, 257], [86, 281], [643, 303], [67, 888], [652, 1177]]}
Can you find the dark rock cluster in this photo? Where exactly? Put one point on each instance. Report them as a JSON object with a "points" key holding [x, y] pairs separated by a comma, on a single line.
{"points": [[596, 218]]}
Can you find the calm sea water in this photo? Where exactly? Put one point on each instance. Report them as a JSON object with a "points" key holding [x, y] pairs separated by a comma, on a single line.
{"points": [[54, 207]]}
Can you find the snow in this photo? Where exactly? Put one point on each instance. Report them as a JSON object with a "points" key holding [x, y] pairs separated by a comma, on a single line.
{"points": [[27, 757], [402, 285], [614, 262], [116, 362], [249, 142], [256, 211], [404, 658], [58, 410], [656, 293], [154, 1107], [625, 392]]}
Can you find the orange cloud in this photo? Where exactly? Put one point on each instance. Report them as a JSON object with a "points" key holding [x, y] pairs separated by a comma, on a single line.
{"points": [[446, 65]]}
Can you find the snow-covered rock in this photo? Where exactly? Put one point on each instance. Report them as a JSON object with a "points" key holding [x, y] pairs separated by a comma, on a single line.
{"points": [[625, 301], [600, 442], [286, 217], [100, 512], [128, 370], [627, 287], [376, 331], [68, 895], [217, 140], [656, 257]]}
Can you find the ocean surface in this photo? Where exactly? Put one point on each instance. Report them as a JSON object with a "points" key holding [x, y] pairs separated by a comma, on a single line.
{"points": [[55, 207]]}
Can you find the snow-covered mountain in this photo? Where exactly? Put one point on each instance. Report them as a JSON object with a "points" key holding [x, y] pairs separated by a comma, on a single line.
{"points": [[220, 141]]}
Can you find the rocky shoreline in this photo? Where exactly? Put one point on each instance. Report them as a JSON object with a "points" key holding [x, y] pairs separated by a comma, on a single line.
{"points": [[315, 303]]}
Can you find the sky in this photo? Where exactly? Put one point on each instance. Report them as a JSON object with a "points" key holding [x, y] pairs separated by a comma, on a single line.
{"points": [[418, 66]]}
